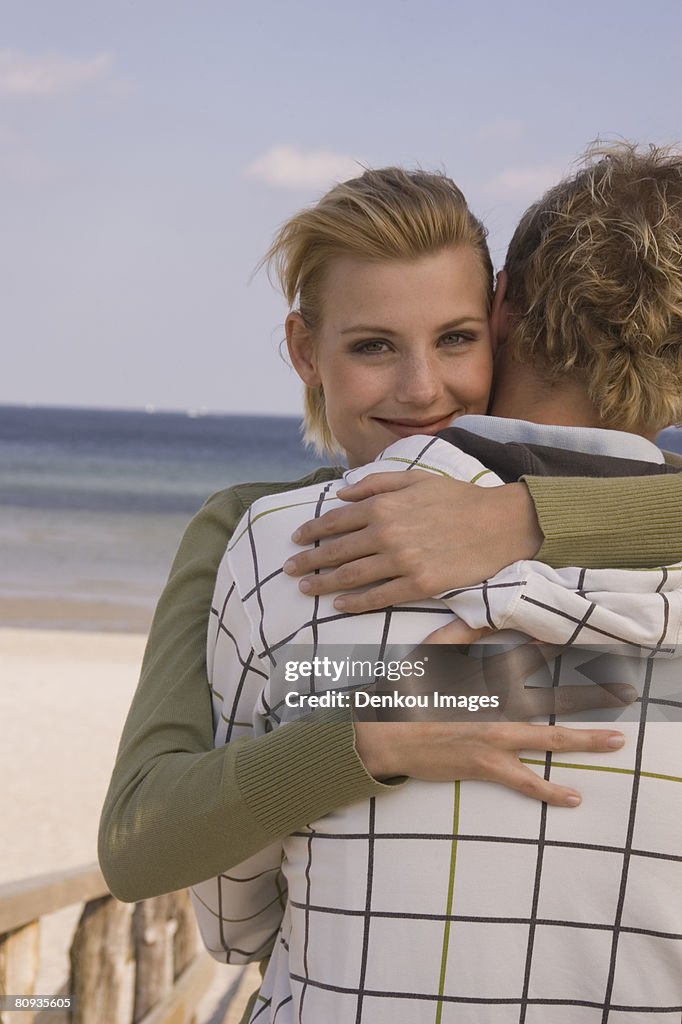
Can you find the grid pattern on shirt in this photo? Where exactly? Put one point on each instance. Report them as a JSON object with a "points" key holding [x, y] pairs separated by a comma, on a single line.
{"points": [[438, 898], [520, 918]]}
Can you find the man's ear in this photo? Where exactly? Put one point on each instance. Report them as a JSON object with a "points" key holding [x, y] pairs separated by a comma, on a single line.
{"points": [[302, 351], [499, 314]]}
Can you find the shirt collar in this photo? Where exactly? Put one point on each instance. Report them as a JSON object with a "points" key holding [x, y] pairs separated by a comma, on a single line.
{"points": [[591, 440]]}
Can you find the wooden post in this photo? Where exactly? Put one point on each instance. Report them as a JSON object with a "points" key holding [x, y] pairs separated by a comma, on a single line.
{"points": [[185, 939], [99, 954], [19, 962], [153, 955], [105, 987]]}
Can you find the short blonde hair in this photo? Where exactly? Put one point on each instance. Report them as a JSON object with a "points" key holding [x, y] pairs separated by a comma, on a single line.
{"points": [[384, 214], [595, 284]]}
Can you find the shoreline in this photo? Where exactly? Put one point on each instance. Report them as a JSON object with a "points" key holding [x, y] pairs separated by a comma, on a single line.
{"points": [[75, 615], [72, 614]]}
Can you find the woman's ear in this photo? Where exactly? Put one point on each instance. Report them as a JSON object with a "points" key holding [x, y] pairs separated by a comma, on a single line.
{"points": [[301, 346], [499, 314]]}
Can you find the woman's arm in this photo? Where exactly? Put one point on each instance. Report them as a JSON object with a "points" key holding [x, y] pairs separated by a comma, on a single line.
{"points": [[616, 522], [172, 801], [619, 522]]}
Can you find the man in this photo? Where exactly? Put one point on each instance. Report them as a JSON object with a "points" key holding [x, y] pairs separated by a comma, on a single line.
{"points": [[495, 925]]}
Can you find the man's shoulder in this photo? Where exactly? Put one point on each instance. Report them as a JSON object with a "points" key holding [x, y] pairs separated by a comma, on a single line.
{"points": [[215, 522], [512, 460]]}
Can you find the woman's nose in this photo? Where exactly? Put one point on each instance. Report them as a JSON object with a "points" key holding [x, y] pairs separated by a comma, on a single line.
{"points": [[419, 382]]}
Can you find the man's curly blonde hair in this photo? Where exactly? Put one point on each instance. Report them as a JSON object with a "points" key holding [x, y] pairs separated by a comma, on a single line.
{"points": [[595, 284], [384, 214]]}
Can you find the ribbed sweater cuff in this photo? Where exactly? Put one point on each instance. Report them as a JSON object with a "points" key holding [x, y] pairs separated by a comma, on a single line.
{"points": [[305, 770], [617, 522]]}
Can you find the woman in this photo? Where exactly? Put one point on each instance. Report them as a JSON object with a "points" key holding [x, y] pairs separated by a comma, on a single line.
{"points": [[179, 811]]}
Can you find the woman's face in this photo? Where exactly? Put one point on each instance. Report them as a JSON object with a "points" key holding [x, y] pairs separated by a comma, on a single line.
{"points": [[403, 347]]}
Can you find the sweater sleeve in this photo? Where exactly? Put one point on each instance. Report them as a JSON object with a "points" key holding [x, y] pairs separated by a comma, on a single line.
{"points": [[618, 522], [178, 811]]}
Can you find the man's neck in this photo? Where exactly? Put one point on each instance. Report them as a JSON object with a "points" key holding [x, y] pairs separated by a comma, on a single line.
{"points": [[524, 396]]}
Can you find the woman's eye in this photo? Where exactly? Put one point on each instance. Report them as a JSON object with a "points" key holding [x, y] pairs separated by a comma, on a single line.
{"points": [[372, 347], [455, 339]]}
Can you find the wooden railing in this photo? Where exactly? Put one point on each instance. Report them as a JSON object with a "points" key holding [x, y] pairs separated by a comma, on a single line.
{"points": [[129, 964]]}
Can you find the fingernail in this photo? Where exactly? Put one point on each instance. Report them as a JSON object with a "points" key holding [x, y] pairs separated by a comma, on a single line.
{"points": [[626, 693], [615, 741], [296, 536], [340, 603], [573, 800], [305, 586], [289, 567]]}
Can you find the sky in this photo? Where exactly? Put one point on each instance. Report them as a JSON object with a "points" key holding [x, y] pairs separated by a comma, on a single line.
{"points": [[149, 149]]}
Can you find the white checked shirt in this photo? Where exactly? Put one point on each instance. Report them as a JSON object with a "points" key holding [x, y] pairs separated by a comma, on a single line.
{"points": [[458, 902]]}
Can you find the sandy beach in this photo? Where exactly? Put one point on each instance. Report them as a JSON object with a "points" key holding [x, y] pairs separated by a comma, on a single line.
{"points": [[64, 696], [63, 700]]}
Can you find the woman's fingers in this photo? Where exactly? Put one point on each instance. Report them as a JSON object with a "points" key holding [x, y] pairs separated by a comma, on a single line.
{"points": [[379, 483], [445, 752], [556, 738], [380, 596], [337, 551], [510, 772], [348, 576], [337, 521]]}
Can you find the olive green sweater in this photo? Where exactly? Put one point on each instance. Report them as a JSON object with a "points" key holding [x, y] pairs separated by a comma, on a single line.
{"points": [[178, 811]]}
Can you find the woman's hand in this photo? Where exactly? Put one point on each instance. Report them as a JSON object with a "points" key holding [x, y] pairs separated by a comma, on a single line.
{"points": [[446, 751], [411, 535]]}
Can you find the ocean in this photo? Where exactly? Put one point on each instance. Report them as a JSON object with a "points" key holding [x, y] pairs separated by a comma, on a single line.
{"points": [[93, 503]]}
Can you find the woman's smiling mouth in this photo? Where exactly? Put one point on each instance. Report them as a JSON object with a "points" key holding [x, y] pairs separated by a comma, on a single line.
{"points": [[408, 427]]}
